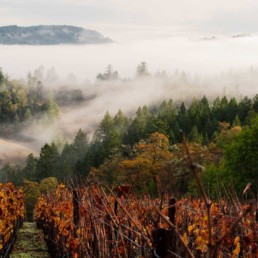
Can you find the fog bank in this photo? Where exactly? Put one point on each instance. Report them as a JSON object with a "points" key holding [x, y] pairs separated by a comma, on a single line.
{"points": [[200, 55], [181, 69]]}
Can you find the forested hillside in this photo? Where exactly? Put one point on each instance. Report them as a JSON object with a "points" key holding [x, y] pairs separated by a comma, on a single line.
{"points": [[147, 150], [20, 103], [49, 35]]}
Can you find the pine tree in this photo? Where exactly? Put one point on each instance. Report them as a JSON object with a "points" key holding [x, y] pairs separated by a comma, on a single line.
{"points": [[30, 170], [80, 145], [195, 136], [236, 121], [48, 161]]}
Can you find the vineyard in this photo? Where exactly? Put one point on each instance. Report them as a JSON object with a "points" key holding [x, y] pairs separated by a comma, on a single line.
{"points": [[90, 219], [93, 221]]}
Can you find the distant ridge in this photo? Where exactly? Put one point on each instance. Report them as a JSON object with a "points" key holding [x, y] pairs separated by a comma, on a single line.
{"points": [[49, 35]]}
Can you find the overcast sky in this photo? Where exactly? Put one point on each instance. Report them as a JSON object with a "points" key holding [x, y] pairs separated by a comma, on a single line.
{"points": [[209, 16]]}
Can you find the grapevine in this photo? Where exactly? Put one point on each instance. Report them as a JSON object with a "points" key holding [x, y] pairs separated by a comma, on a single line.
{"points": [[91, 221], [11, 216]]}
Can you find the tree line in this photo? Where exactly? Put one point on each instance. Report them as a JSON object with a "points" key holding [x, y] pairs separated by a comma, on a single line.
{"points": [[146, 150]]}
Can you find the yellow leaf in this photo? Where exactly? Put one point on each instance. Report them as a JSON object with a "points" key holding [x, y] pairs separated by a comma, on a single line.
{"points": [[237, 249], [185, 238], [236, 240], [190, 228]]}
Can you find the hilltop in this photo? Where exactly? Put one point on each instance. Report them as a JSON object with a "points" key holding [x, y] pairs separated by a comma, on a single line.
{"points": [[49, 35]]}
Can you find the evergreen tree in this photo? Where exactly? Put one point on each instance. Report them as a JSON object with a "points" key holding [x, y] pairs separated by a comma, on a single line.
{"points": [[30, 170], [121, 123], [245, 105], [137, 130], [167, 114], [195, 136], [109, 74], [48, 161], [80, 145], [106, 139], [236, 121], [183, 119], [216, 109], [223, 108], [231, 111], [66, 162], [142, 70]]}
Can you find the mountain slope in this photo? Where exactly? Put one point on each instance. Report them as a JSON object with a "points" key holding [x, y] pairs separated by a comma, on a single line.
{"points": [[13, 153], [49, 35]]}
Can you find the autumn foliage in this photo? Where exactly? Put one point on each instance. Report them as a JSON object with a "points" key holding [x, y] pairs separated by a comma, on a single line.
{"points": [[11, 215], [192, 220], [105, 224], [105, 228]]}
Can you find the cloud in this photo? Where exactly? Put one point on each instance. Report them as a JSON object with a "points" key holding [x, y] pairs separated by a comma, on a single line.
{"points": [[198, 14]]}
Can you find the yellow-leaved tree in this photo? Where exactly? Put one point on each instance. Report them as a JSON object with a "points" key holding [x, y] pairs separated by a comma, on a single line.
{"points": [[148, 169]]}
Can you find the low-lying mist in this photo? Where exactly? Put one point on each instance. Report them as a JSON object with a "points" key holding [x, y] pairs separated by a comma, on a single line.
{"points": [[196, 54], [179, 69], [103, 96]]}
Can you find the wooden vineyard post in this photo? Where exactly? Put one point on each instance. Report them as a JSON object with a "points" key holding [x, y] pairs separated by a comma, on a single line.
{"points": [[76, 212], [160, 242], [165, 239], [116, 211], [172, 210]]}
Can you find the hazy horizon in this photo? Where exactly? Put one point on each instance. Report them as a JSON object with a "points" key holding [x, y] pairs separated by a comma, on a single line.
{"points": [[196, 54], [212, 66], [204, 47]]}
